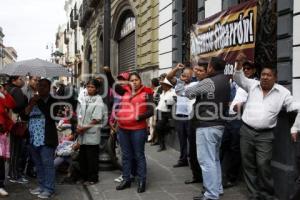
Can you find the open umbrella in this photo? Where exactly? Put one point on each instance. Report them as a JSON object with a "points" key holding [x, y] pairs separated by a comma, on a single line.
{"points": [[35, 67]]}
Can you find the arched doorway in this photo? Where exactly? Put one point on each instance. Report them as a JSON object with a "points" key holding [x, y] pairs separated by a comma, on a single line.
{"points": [[125, 37]]}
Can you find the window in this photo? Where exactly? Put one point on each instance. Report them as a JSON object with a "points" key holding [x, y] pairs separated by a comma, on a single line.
{"points": [[212, 7]]}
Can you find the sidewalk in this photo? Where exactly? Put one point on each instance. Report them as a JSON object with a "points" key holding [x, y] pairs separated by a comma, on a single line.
{"points": [[63, 192], [163, 182]]}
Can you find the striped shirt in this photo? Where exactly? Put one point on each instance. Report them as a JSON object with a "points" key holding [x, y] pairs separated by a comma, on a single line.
{"points": [[206, 86]]}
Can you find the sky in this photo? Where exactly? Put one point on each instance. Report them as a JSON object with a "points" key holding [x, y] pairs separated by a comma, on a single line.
{"points": [[30, 25]]}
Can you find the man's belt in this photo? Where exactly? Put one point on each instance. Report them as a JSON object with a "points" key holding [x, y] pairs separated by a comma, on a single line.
{"points": [[258, 130]]}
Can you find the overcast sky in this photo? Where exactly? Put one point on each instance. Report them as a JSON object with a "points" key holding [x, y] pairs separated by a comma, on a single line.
{"points": [[30, 25]]}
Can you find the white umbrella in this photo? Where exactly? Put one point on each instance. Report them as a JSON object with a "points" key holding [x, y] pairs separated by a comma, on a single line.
{"points": [[35, 67]]}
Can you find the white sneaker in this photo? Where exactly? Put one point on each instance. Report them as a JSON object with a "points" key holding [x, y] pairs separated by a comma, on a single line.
{"points": [[22, 180], [36, 191], [119, 179], [3, 192], [45, 195]]}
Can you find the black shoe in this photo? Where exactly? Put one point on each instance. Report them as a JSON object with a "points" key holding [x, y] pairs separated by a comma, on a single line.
{"points": [[181, 164], [229, 184], [141, 187], [154, 144], [68, 180], [123, 185], [193, 181], [161, 149]]}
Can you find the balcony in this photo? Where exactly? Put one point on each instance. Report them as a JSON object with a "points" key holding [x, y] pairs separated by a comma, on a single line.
{"points": [[85, 13], [73, 21], [66, 37]]}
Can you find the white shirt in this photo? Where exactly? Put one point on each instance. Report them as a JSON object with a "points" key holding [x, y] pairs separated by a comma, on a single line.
{"points": [[261, 112], [184, 105], [240, 97], [166, 98], [91, 108], [82, 94]]}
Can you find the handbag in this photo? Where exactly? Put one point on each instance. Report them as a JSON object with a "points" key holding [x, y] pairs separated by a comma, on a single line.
{"points": [[4, 146], [19, 129]]}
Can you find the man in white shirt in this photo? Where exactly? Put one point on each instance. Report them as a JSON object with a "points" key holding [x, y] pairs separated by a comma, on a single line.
{"points": [[184, 107], [184, 110], [264, 102], [230, 148], [166, 100]]}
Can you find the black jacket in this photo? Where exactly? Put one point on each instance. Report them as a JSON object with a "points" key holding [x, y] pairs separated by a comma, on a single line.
{"points": [[211, 108], [20, 99]]}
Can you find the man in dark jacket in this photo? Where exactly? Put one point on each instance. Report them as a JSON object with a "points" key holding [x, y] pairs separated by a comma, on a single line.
{"points": [[17, 144], [212, 97], [43, 138]]}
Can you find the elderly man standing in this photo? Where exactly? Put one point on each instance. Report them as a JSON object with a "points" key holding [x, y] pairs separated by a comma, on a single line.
{"points": [[264, 102], [212, 98]]}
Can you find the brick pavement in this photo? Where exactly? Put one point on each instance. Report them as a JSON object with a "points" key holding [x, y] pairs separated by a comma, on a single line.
{"points": [[164, 182]]}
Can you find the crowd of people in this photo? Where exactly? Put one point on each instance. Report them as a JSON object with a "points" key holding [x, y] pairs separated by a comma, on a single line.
{"points": [[224, 124]]}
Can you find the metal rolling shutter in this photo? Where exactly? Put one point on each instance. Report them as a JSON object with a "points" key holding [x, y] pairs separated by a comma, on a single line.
{"points": [[127, 53]]}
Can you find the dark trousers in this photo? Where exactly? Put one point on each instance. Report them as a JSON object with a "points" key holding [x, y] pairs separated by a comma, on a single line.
{"points": [[256, 152], [133, 148], [193, 160], [15, 164], [162, 127], [88, 162], [2, 172], [296, 194], [182, 128], [230, 151]]}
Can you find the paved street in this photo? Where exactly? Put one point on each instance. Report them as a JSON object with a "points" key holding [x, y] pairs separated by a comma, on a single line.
{"points": [[164, 182], [63, 192]]}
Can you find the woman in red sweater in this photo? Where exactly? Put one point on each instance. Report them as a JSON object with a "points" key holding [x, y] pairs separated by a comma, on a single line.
{"points": [[135, 107], [6, 103]]}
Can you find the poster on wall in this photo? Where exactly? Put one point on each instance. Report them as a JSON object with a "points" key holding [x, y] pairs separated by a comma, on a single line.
{"points": [[225, 34]]}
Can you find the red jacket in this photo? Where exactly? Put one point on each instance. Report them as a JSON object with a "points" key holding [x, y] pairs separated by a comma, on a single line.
{"points": [[132, 107], [6, 103]]}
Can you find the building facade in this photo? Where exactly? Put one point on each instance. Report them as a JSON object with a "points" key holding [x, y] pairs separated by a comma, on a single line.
{"points": [[91, 24], [134, 36], [278, 43], [135, 41], [1, 48], [69, 43], [10, 55], [7, 54], [153, 36]]}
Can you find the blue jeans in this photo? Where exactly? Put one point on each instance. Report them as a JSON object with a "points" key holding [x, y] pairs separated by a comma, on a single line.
{"points": [[133, 147], [208, 141], [43, 158]]}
